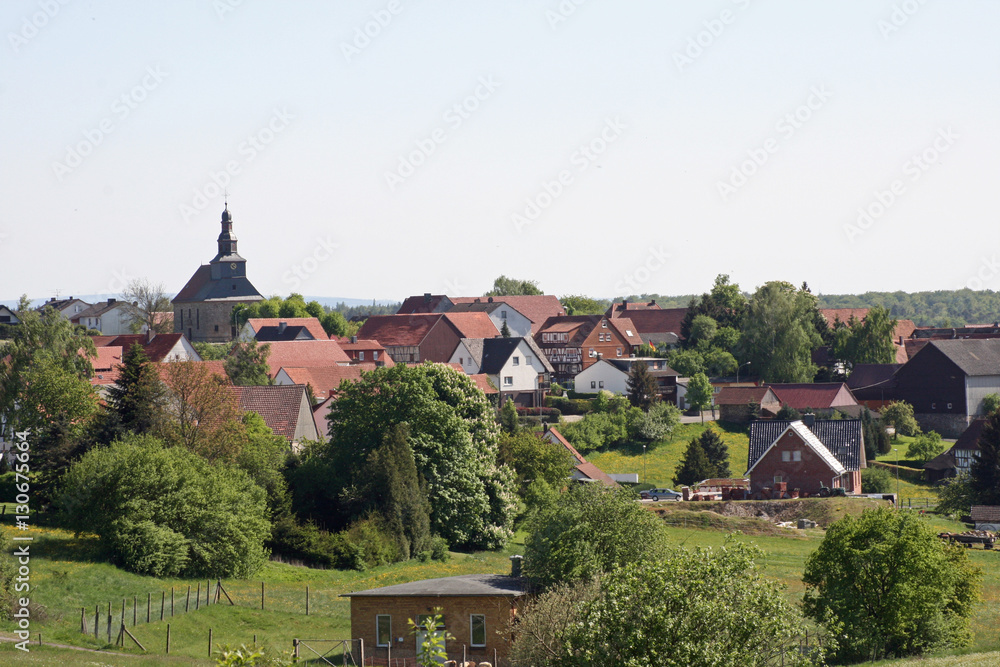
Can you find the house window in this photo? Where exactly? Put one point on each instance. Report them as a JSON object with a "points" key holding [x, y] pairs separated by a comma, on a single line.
{"points": [[477, 627], [593, 384], [949, 406], [503, 314], [383, 629], [592, 353], [619, 352], [796, 455], [361, 355], [461, 361], [375, 355], [216, 327], [517, 360], [527, 359], [600, 384], [777, 479], [628, 332], [508, 380], [786, 456], [604, 323]]}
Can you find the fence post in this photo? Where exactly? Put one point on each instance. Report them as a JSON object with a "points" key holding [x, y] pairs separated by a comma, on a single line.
{"points": [[262, 596], [168, 639], [197, 598], [187, 602], [361, 644], [307, 600], [83, 620], [210, 642], [208, 586], [149, 598], [135, 606], [123, 614], [295, 650], [171, 601], [97, 621], [163, 602], [109, 621]]}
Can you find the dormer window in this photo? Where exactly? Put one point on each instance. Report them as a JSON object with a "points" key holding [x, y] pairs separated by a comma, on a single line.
{"points": [[604, 323]]}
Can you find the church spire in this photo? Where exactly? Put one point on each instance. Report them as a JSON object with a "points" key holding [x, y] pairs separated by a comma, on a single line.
{"points": [[227, 240]]}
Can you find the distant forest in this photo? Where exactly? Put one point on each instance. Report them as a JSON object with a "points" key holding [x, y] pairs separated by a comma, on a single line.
{"points": [[941, 308]]}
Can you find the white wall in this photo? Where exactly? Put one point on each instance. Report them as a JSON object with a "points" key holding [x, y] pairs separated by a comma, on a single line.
{"points": [[976, 388], [462, 356], [614, 380], [524, 375], [518, 324]]}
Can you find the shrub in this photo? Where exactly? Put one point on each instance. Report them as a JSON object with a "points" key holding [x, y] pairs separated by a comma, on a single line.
{"points": [[925, 447], [876, 480]]}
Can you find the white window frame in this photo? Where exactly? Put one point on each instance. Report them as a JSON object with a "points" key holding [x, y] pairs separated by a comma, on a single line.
{"points": [[472, 636], [377, 638], [797, 455], [508, 380], [786, 456], [361, 355], [516, 360]]}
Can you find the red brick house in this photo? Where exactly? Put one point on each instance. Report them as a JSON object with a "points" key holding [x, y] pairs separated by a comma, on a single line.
{"points": [[477, 610], [575, 342], [806, 456]]}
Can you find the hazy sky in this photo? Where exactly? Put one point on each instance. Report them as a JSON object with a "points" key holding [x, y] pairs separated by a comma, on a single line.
{"points": [[380, 149]]}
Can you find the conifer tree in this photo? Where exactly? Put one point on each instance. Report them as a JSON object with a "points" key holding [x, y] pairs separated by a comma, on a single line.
{"points": [[642, 388], [137, 399], [695, 466], [505, 330], [399, 493], [508, 417], [716, 452], [984, 475]]}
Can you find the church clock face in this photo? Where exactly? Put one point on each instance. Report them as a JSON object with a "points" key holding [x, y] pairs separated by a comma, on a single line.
{"points": [[233, 266]]}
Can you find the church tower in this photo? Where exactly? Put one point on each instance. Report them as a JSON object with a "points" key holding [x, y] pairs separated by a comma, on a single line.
{"points": [[203, 308]]}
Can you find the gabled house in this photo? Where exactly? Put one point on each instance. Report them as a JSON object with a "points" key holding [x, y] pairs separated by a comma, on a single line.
{"points": [[500, 313], [946, 381], [806, 454], [426, 337], [583, 471], [323, 380], [625, 308], [575, 342], [612, 375], [284, 408], [515, 366], [68, 308], [110, 317], [271, 325], [657, 326], [365, 351], [824, 397], [986, 517], [8, 316], [734, 403], [305, 353], [871, 384], [158, 347], [958, 459], [537, 307]]}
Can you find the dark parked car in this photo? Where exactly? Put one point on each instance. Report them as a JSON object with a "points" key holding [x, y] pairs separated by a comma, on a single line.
{"points": [[660, 494]]}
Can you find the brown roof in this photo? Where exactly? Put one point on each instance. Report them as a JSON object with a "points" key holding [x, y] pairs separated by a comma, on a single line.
{"points": [[106, 365], [301, 353], [985, 513], [279, 405], [743, 395], [626, 329], [312, 324], [590, 471], [969, 440], [842, 314], [818, 395], [565, 443], [536, 308], [619, 308], [904, 329], [424, 303], [666, 320], [399, 330], [483, 382]]}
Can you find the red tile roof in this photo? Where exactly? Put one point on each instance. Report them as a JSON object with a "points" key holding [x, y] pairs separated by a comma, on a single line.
{"points": [[473, 325], [398, 330], [619, 308], [537, 308], [741, 395], [326, 379], [106, 365], [590, 471], [624, 326], [424, 303], [842, 314], [302, 353], [482, 381], [311, 323], [157, 349], [279, 405], [561, 439], [904, 329]]}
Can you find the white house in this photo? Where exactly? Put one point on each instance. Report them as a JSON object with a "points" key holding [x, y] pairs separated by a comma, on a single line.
{"points": [[110, 318], [68, 308], [516, 366], [612, 375], [8, 316], [500, 313]]}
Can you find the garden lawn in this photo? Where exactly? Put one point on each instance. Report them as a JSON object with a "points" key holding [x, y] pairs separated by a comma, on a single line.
{"points": [[663, 457]]}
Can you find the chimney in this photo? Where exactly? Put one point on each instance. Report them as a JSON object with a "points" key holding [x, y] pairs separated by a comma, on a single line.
{"points": [[111, 301], [427, 297], [545, 427], [354, 339], [652, 302], [809, 419], [490, 300], [149, 336], [515, 565], [282, 326]]}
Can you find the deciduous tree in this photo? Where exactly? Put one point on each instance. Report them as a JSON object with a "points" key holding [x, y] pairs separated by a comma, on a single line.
{"points": [[899, 414], [779, 333], [247, 363], [504, 286], [885, 581], [147, 306], [700, 393]]}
